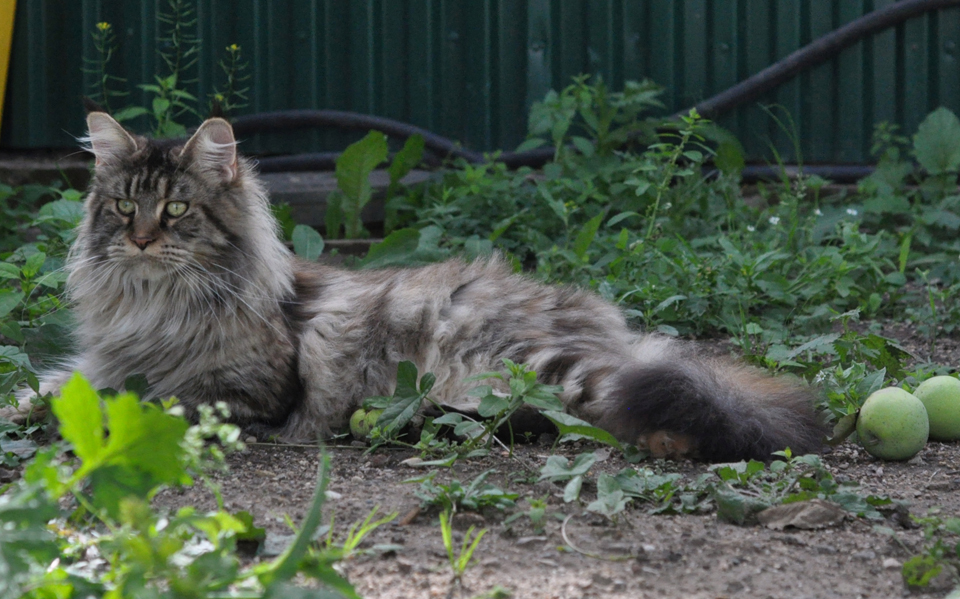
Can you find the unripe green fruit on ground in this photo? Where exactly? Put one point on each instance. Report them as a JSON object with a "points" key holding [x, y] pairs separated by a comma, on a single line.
{"points": [[893, 424], [941, 396], [362, 422]]}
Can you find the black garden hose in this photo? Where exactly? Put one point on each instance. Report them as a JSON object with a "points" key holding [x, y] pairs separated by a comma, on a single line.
{"points": [[817, 52], [811, 55], [298, 120]]}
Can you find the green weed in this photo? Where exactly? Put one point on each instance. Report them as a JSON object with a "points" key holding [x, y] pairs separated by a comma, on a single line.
{"points": [[459, 561], [476, 496], [65, 510]]}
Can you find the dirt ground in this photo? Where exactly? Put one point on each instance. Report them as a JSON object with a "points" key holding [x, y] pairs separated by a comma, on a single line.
{"points": [[646, 556]]}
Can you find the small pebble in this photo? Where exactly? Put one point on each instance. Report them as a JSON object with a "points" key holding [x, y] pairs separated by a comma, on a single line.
{"points": [[891, 564], [865, 555]]}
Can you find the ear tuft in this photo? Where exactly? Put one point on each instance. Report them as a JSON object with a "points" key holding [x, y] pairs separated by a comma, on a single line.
{"points": [[91, 106], [109, 141], [214, 148]]}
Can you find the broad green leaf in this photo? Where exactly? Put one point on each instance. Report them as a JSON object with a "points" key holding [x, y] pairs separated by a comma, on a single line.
{"points": [[406, 247], [14, 354], [160, 106], [353, 176], [333, 215], [81, 418], [406, 400], [610, 497], [67, 211], [307, 243], [937, 142], [586, 235], [9, 300], [570, 425], [735, 508], [843, 429], [571, 492], [406, 159], [130, 112], [543, 400], [9, 271], [560, 468], [492, 404], [33, 264]]}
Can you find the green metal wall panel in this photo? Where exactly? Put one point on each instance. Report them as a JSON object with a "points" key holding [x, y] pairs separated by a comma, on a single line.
{"points": [[470, 69]]}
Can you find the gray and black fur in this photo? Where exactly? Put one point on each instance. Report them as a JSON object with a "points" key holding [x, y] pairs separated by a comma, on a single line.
{"points": [[210, 306]]}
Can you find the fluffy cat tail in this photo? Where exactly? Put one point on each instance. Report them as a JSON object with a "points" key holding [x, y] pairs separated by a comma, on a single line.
{"points": [[714, 410]]}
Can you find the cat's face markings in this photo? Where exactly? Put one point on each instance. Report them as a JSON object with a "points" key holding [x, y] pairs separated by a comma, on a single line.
{"points": [[165, 208]]}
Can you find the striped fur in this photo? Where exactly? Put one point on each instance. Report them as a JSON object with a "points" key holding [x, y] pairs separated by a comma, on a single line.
{"points": [[216, 309]]}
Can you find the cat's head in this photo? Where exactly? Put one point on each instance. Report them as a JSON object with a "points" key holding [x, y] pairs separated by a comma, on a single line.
{"points": [[160, 209]]}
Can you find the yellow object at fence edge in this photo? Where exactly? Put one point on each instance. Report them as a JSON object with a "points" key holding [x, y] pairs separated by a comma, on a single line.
{"points": [[8, 9]]}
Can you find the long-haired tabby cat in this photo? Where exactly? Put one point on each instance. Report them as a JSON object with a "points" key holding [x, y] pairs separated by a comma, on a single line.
{"points": [[178, 273]]}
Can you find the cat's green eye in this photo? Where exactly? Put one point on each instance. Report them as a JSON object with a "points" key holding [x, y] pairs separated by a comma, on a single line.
{"points": [[176, 208], [126, 206]]}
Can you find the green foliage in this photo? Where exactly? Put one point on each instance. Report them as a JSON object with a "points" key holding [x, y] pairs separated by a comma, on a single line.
{"points": [[607, 119], [105, 44], [307, 243], [399, 410], [476, 496], [232, 96], [178, 48], [940, 548], [516, 388], [354, 167], [536, 512], [64, 511], [737, 491], [937, 142], [459, 561], [356, 533], [33, 247]]}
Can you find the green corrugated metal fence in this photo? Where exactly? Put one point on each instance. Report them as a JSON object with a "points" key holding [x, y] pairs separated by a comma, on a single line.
{"points": [[469, 69]]}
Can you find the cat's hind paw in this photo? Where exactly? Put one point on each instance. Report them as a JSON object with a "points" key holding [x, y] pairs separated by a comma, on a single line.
{"points": [[667, 445]]}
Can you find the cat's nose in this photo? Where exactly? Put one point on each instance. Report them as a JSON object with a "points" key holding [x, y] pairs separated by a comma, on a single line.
{"points": [[142, 242]]}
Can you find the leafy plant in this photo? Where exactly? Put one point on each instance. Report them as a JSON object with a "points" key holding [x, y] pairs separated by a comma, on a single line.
{"points": [[453, 496], [536, 512], [459, 561], [105, 44], [178, 48], [353, 170], [61, 513], [940, 548], [356, 533]]}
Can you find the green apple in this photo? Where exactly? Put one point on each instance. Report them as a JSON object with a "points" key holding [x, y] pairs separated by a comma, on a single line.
{"points": [[893, 424], [362, 422], [941, 396]]}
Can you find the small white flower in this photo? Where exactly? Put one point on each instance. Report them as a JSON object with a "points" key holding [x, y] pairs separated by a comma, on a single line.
{"points": [[852, 211], [774, 220], [818, 212], [751, 228]]}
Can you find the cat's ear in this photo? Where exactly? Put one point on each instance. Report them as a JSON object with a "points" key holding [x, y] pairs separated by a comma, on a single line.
{"points": [[214, 148], [109, 141]]}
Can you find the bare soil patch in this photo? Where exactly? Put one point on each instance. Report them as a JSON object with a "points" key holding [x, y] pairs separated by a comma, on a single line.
{"points": [[661, 556]]}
